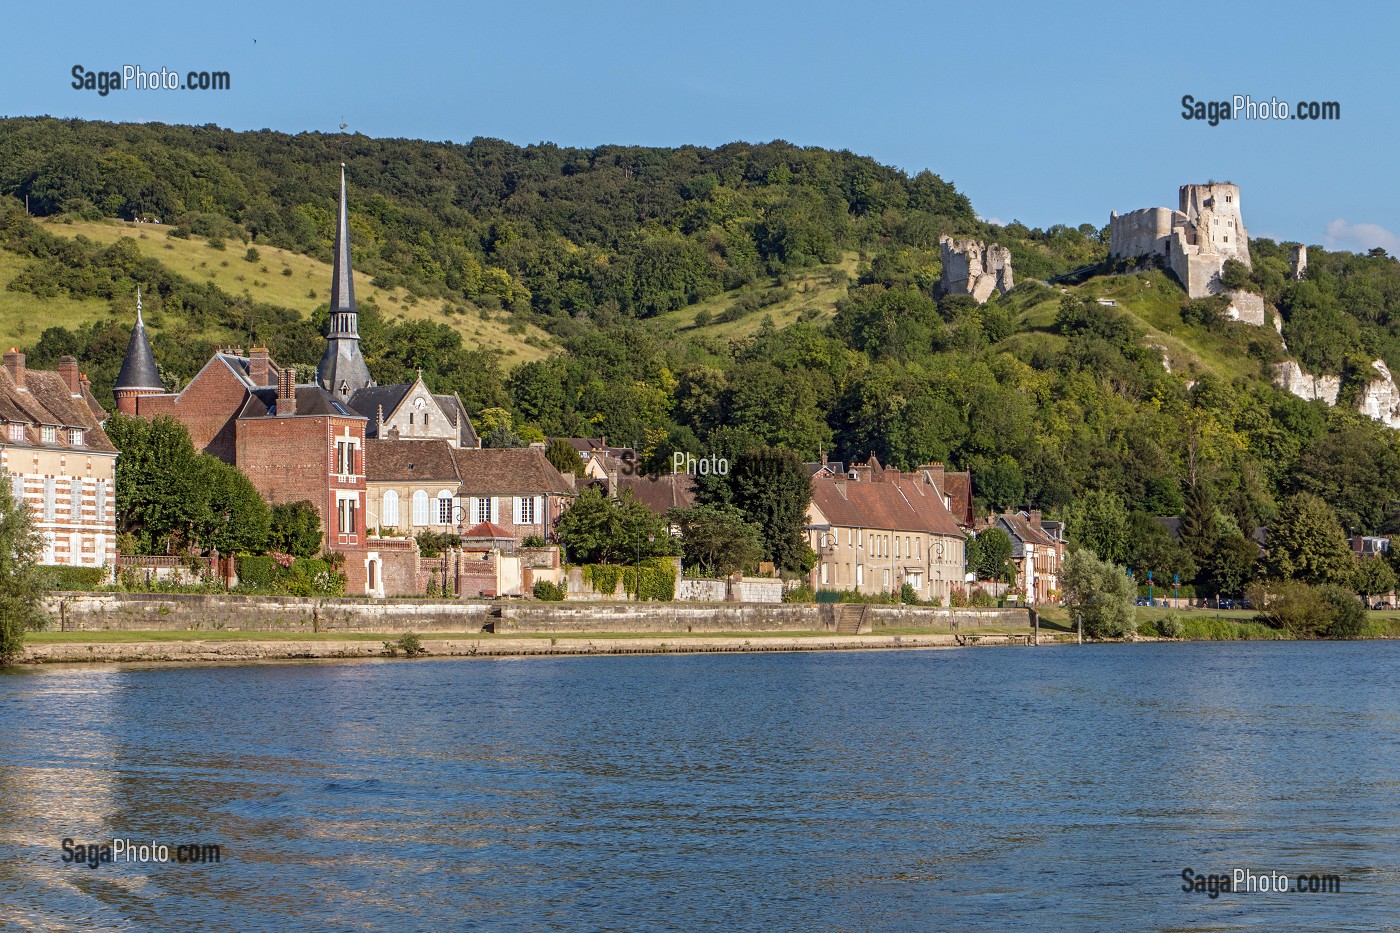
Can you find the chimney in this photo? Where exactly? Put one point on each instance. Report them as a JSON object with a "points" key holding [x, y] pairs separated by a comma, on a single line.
{"points": [[68, 369], [83, 384], [823, 458], [14, 362], [287, 391], [1035, 517], [258, 367]]}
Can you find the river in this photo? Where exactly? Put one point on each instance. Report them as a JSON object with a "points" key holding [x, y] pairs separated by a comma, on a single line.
{"points": [[995, 789]]}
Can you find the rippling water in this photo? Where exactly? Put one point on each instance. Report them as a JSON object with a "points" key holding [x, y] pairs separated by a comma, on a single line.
{"points": [[985, 789]]}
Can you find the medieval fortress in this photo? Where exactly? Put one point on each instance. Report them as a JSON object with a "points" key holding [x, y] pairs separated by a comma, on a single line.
{"points": [[1194, 240]]}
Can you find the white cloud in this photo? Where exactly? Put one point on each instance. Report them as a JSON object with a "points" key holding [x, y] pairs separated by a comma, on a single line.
{"points": [[1360, 237], [993, 220]]}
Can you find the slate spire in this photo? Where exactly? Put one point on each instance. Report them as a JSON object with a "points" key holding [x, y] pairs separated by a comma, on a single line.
{"points": [[342, 370], [139, 368]]}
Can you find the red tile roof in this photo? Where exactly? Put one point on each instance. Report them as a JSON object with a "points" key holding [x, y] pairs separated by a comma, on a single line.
{"points": [[897, 505], [660, 493], [508, 471]]}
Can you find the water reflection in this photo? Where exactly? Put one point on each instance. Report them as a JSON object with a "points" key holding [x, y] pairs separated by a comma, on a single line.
{"points": [[988, 790]]}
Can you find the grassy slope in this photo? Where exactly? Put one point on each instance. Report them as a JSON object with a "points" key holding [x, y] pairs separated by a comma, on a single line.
{"points": [[811, 288], [1153, 301], [23, 317], [195, 260]]}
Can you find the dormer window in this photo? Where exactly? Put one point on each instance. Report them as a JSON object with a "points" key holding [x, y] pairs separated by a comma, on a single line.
{"points": [[75, 437], [16, 432], [49, 434]]}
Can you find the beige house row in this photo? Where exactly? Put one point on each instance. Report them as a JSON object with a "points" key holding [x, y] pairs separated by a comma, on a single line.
{"points": [[875, 530]]}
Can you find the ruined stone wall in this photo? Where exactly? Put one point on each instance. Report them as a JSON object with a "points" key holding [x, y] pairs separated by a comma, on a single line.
{"points": [[971, 267], [1144, 232]]}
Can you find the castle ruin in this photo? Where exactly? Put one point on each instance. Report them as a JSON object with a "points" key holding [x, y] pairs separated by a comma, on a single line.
{"points": [[1194, 240], [971, 267]]}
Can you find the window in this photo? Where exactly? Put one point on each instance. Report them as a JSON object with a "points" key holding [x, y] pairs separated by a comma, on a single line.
{"points": [[50, 495], [373, 575], [49, 434], [75, 503], [896, 546], [823, 573], [483, 509], [75, 549], [444, 508], [526, 510], [389, 514], [75, 437], [345, 514], [17, 487], [16, 432], [99, 556], [860, 574], [918, 548], [344, 458], [101, 501], [420, 507]]}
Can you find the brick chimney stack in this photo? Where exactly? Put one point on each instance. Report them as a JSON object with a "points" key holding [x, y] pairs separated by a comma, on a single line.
{"points": [[1035, 517], [287, 391], [259, 367], [68, 369], [14, 362]]}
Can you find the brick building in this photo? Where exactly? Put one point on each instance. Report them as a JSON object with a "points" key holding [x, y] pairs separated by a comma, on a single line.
{"points": [[307, 440], [1037, 551], [59, 461]]}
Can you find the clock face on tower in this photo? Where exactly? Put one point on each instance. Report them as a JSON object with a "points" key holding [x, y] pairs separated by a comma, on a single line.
{"points": [[420, 403]]}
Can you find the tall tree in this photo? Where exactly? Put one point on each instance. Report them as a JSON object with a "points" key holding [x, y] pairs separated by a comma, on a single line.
{"points": [[716, 539], [22, 587], [772, 490], [989, 554], [1098, 521], [1307, 543], [1099, 594]]}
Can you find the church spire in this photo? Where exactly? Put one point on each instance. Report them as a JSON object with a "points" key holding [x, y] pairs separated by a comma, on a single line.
{"points": [[342, 370]]}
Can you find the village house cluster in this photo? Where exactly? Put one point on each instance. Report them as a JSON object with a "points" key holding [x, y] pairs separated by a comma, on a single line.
{"points": [[383, 464]]}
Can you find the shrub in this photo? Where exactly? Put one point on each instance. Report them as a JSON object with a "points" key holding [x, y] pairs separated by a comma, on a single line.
{"points": [[908, 595], [72, 578], [252, 255], [799, 594], [409, 643], [1169, 626], [533, 541], [549, 592], [1348, 619]]}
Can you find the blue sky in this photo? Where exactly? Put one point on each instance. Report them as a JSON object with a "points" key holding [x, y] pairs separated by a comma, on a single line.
{"points": [[1046, 113]]}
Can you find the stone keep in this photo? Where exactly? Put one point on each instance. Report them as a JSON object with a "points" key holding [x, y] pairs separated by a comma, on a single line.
{"points": [[1195, 240], [971, 267]]}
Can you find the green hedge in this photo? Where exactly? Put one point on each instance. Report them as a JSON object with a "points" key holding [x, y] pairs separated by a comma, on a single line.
{"points": [[258, 570], [308, 576], [73, 578]]}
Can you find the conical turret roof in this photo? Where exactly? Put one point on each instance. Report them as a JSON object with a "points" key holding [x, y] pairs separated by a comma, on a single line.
{"points": [[139, 368]]}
